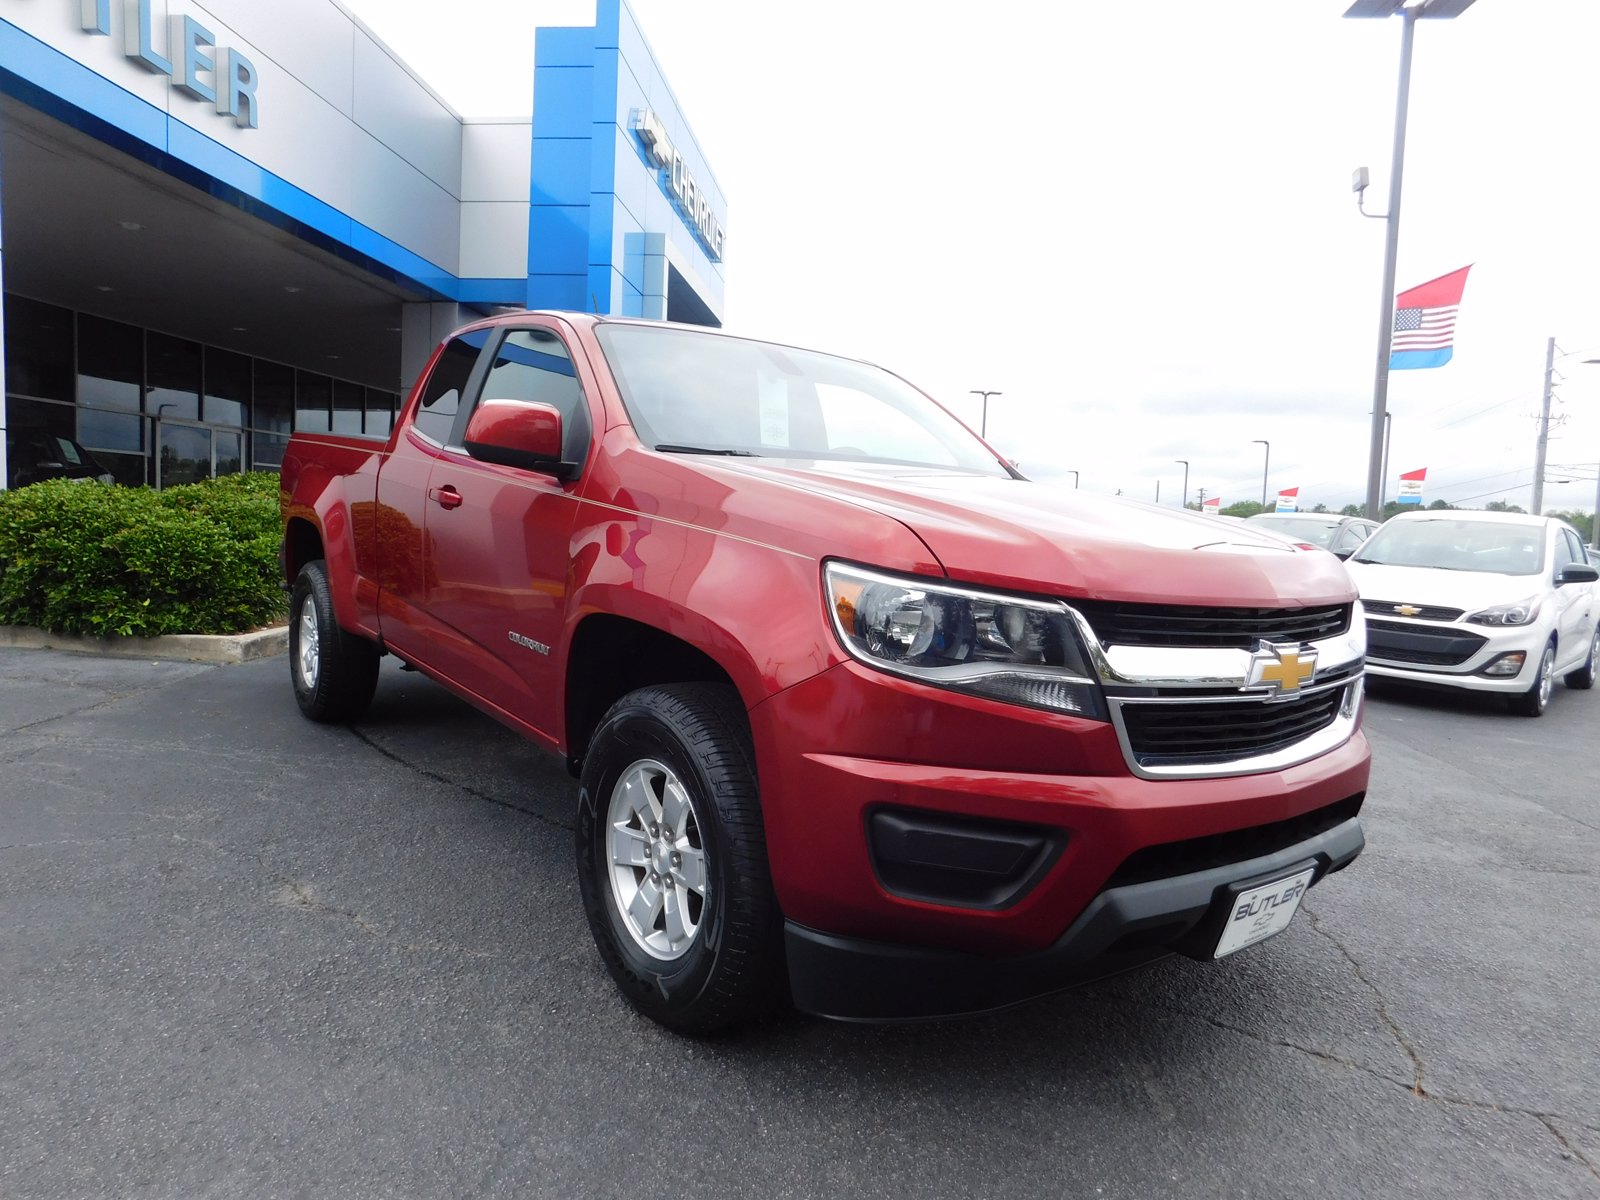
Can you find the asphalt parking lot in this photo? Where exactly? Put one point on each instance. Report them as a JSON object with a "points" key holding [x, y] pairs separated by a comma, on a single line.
{"points": [[245, 955]]}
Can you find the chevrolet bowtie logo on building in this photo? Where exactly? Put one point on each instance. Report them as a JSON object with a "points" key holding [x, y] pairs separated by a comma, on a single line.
{"points": [[1407, 610], [1283, 668]]}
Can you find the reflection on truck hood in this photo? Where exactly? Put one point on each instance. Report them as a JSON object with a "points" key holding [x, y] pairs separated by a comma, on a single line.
{"points": [[1031, 537]]}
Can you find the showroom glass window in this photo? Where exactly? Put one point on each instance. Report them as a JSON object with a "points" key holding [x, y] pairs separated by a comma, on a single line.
{"points": [[172, 368], [110, 371], [274, 413], [381, 408], [227, 390], [313, 398], [38, 341], [348, 401]]}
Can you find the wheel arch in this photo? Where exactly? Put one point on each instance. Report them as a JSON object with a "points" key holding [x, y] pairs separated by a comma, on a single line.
{"points": [[611, 656]]}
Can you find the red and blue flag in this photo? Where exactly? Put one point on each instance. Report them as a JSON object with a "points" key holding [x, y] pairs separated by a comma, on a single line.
{"points": [[1425, 322]]}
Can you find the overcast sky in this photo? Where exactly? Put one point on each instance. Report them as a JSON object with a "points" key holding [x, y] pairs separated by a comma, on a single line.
{"points": [[1135, 220]]}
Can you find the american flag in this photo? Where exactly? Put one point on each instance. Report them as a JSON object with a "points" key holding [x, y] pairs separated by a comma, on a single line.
{"points": [[1425, 322]]}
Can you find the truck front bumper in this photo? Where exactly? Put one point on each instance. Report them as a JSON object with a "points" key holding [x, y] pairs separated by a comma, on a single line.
{"points": [[1123, 927], [922, 840]]}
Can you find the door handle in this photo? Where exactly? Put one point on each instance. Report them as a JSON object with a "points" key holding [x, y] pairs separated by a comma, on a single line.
{"points": [[445, 497]]}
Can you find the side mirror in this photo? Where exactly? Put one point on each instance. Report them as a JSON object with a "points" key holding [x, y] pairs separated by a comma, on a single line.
{"points": [[1578, 573], [516, 433]]}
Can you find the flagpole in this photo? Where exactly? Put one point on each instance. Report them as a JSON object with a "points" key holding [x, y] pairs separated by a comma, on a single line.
{"points": [[1391, 249]]}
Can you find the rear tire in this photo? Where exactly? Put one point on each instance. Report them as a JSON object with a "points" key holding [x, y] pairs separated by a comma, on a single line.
{"points": [[334, 672], [1583, 678], [1536, 699], [672, 859]]}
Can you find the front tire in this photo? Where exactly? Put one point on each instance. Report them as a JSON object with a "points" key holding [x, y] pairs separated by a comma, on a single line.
{"points": [[1583, 678], [1536, 699], [672, 860], [334, 673]]}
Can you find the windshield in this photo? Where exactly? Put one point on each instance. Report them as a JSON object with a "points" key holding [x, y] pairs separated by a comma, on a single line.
{"points": [[1318, 533], [1458, 545], [714, 394]]}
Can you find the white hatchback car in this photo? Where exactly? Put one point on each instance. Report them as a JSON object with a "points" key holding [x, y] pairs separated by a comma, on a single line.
{"points": [[1495, 602]]}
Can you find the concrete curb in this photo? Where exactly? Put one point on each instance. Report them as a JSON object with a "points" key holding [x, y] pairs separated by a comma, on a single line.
{"points": [[191, 647]]}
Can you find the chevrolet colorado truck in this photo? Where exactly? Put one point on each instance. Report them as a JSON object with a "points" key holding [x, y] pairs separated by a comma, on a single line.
{"points": [[856, 710]]}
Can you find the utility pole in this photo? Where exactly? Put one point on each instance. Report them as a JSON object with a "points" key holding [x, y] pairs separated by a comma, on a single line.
{"points": [[1158, 491], [1544, 428], [1201, 492]]}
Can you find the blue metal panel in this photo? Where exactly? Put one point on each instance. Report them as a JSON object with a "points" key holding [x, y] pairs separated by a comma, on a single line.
{"points": [[559, 46], [558, 238], [562, 101], [561, 171], [559, 291]]}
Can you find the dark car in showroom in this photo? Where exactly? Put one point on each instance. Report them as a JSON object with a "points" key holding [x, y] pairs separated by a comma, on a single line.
{"points": [[34, 455]]}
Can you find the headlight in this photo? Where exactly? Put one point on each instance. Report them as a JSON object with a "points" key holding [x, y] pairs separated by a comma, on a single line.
{"points": [[1007, 648], [1522, 612]]}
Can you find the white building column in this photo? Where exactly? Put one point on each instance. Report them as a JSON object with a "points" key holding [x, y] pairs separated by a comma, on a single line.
{"points": [[422, 327]]}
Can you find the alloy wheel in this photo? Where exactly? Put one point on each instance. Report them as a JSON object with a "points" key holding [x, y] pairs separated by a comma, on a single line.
{"points": [[657, 859], [308, 660]]}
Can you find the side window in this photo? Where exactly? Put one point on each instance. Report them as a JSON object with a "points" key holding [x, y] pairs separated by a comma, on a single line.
{"points": [[532, 365], [441, 399], [1350, 537], [1564, 558], [1574, 547]]}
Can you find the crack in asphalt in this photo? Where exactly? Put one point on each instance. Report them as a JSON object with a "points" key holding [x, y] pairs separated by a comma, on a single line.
{"points": [[1441, 1098], [1568, 1150], [457, 784], [297, 895], [1393, 1026]]}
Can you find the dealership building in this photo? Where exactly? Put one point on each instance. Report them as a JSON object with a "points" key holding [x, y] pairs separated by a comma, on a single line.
{"points": [[225, 220]]}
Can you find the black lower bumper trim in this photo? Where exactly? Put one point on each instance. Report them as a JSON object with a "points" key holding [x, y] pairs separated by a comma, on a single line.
{"points": [[1124, 927]]}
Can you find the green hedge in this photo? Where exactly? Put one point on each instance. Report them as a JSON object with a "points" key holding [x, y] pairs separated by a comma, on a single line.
{"points": [[79, 557]]}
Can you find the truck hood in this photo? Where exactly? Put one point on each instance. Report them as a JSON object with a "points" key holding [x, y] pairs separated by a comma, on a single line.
{"points": [[1026, 536]]}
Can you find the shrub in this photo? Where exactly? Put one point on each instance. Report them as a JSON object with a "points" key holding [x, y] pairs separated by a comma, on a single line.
{"points": [[202, 558]]}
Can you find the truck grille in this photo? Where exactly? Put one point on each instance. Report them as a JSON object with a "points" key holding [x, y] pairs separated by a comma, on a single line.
{"points": [[1195, 733], [1420, 645], [1118, 624]]}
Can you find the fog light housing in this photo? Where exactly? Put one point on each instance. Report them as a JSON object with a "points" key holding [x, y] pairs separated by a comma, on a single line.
{"points": [[1506, 665]]}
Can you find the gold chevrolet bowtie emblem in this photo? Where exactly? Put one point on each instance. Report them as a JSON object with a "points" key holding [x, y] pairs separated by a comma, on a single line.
{"points": [[1282, 667], [1407, 610]]}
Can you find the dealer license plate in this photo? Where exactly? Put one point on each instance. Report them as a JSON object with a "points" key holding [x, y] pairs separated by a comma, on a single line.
{"points": [[1262, 911]]}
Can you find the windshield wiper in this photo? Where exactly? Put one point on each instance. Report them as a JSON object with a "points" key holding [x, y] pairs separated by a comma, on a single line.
{"points": [[669, 448]]}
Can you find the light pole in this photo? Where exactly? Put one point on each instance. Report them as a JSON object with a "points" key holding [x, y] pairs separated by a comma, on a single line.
{"points": [[1074, 479], [1266, 462], [1594, 521], [1185, 463], [1383, 473], [983, 429], [1410, 11]]}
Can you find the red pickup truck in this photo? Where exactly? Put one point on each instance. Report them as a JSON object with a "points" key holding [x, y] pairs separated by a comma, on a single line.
{"points": [[854, 708]]}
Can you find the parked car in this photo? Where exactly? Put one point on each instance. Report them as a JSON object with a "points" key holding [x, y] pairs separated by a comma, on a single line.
{"points": [[1330, 531], [854, 707], [34, 455], [1494, 602]]}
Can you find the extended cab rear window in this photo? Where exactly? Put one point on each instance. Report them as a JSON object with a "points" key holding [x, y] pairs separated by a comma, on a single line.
{"points": [[447, 383]]}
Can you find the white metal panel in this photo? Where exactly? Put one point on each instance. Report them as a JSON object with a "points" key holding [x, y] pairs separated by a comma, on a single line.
{"points": [[400, 112], [395, 199], [496, 160], [312, 40], [494, 240]]}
